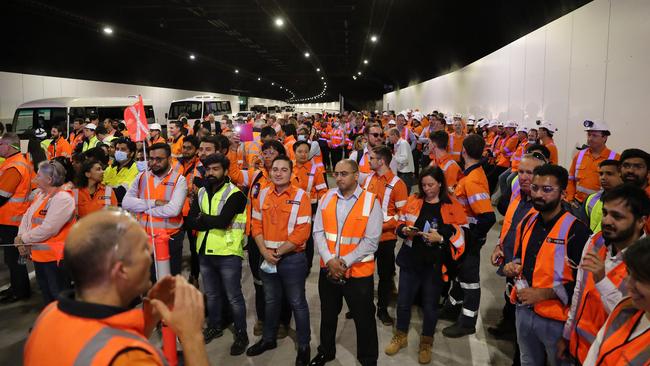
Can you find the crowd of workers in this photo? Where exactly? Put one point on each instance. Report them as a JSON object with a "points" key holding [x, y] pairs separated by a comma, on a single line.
{"points": [[571, 247]]}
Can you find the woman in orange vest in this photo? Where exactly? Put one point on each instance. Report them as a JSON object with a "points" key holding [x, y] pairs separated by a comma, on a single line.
{"points": [[44, 228], [91, 195], [430, 225], [625, 337]]}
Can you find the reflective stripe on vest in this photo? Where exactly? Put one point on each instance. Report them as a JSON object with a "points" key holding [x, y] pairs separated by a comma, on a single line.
{"points": [[100, 340], [617, 348], [293, 216], [222, 242], [18, 201], [168, 223], [310, 180], [592, 201], [387, 192]]}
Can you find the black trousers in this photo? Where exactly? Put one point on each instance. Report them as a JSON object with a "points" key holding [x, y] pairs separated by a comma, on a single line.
{"points": [[255, 259], [195, 269], [466, 289], [325, 153], [409, 180], [17, 272], [336, 155], [385, 257], [493, 177], [417, 156], [358, 294]]}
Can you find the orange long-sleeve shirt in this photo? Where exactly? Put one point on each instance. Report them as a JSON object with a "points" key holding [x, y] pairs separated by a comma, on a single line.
{"points": [[583, 175], [391, 206], [301, 179]]}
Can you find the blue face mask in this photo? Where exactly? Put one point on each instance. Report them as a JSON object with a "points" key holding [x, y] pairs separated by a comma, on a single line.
{"points": [[142, 165], [121, 156], [302, 138]]}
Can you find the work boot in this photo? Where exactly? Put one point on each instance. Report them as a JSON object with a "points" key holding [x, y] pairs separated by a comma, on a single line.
{"points": [[424, 355], [240, 344], [258, 328], [384, 317], [303, 356], [211, 333], [283, 331], [457, 330], [399, 341], [260, 347], [449, 312], [504, 330]]}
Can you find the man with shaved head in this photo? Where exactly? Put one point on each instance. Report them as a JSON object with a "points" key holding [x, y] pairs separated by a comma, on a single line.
{"points": [[108, 256]]}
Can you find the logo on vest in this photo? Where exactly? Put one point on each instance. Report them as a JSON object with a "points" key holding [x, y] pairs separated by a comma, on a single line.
{"points": [[292, 202], [168, 184], [556, 241], [42, 212]]}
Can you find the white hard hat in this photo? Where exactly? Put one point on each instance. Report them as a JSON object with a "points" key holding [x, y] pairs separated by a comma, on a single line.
{"points": [[448, 121], [546, 124], [522, 128], [391, 122], [458, 116], [493, 123], [597, 125], [40, 133], [385, 114], [155, 126], [510, 124], [417, 116], [409, 111], [403, 113], [90, 126], [471, 120]]}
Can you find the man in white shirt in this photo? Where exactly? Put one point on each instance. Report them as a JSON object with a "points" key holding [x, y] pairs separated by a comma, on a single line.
{"points": [[403, 157]]}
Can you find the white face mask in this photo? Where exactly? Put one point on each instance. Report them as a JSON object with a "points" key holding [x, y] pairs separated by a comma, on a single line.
{"points": [[142, 165], [121, 156], [302, 138]]}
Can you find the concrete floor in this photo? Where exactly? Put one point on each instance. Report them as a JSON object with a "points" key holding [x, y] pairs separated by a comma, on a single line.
{"points": [[477, 349]]}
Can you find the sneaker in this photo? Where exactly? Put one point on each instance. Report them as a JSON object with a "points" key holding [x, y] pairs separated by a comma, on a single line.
{"points": [[384, 317], [283, 331], [258, 328], [240, 344], [456, 330], [399, 341], [210, 333]]}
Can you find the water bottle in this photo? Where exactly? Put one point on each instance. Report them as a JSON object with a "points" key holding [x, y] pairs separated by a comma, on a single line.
{"points": [[520, 282]]}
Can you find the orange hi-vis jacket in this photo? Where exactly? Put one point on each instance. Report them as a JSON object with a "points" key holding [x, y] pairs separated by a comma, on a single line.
{"points": [[163, 191], [392, 194], [311, 178], [453, 173], [583, 175], [336, 138], [282, 217], [516, 157], [507, 149], [590, 313], [550, 144], [189, 172], [551, 269], [473, 193], [65, 339], [87, 203], [352, 232], [50, 250], [177, 146], [617, 349], [60, 147], [452, 214], [288, 147], [18, 203], [455, 145], [234, 172], [159, 140], [75, 139], [256, 181], [252, 151]]}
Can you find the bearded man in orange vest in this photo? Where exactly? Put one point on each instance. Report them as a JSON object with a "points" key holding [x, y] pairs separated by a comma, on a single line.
{"points": [[157, 196], [108, 256], [346, 230], [546, 244], [600, 283]]}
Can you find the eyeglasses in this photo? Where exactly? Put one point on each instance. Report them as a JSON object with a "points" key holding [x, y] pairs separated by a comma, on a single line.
{"points": [[376, 135], [536, 155], [545, 189], [342, 174]]}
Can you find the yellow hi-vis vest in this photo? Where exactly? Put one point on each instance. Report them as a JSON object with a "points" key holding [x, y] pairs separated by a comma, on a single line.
{"points": [[221, 241]]}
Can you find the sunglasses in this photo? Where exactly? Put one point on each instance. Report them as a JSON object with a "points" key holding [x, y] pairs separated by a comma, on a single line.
{"points": [[545, 189], [376, 135]]}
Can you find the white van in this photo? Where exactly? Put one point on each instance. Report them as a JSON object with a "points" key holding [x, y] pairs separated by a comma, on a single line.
{"points": [[198, 107], [45, 113]]}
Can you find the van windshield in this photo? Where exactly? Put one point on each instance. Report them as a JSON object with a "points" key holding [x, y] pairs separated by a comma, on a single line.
{"points": [[193, 109], [33, 118], [116, 113]]}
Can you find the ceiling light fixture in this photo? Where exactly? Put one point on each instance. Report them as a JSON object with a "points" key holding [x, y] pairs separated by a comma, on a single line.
{"points": [[318, 69], [108, 30], [236, 71], [192, 57], [373, 38], [279, 22], [359, 73], [307, 54], [365, 62], [258, 79]]}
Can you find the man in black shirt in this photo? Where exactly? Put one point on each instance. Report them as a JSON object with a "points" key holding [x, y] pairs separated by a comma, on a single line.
{"points": [[548, 248]]}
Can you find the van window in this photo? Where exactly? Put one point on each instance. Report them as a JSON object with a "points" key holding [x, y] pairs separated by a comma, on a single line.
{"points": [[30, 118], [193, 109]]}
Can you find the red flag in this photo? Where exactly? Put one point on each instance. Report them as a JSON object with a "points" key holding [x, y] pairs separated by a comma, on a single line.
{"points": [[136, 121]]}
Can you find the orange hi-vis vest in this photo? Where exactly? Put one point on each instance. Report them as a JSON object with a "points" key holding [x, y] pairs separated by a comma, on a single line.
{"points": [[59, 147], [336, 138], [384, 191], [353, 230], [590, 313], [65, 339], [583, 175], [189, 172], [159, 140], [163, 191], [515, 199], [452, 214], [76, 138], [50, 250], [516, 157], [364, 163], [508, 148], [252, 151], [87, 204], [18, 203], [455, 145], [617, 349], [450, 168], [176, 146], [550, 267]]}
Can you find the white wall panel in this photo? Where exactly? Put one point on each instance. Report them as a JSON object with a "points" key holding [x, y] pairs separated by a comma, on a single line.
{"points": [[589, 64]]}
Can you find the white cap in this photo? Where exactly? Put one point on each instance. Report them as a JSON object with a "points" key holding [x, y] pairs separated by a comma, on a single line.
{"points": [[392, 122], [597, 125], [510, 124], [546, 124], [155, 126], [522, 128], [90, 126], [417, 116], [40, 133]]}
